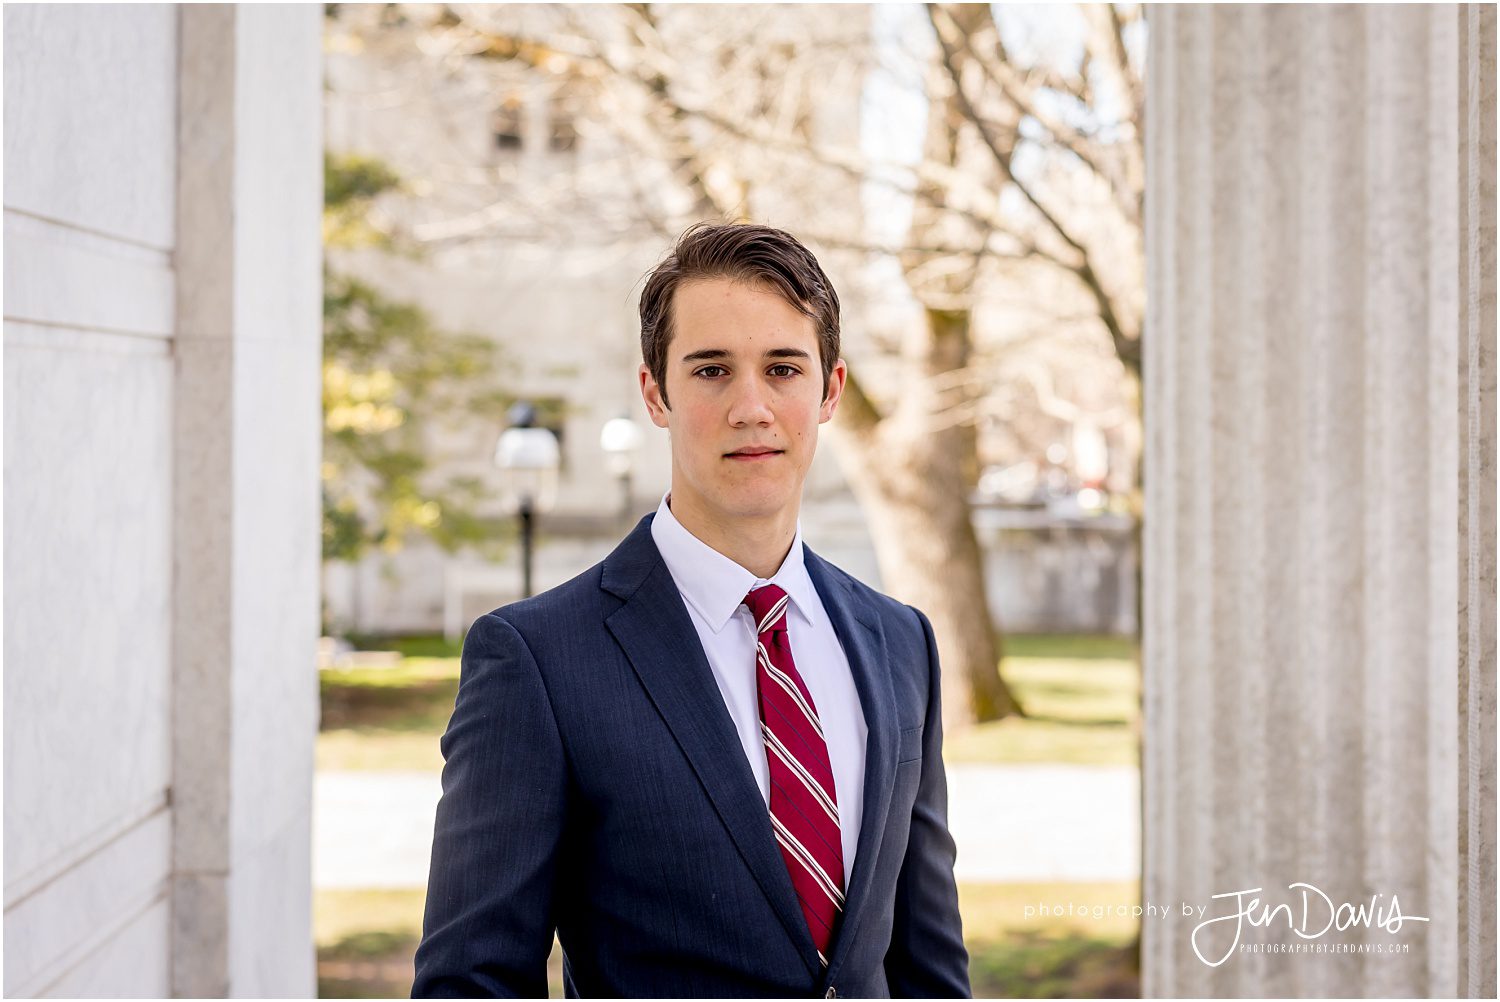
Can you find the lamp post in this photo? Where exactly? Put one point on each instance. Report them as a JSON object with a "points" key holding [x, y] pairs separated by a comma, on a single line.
{"points": [[620, 438], [528, 457]]}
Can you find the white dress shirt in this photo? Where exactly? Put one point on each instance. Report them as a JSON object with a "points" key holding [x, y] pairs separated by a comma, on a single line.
{"points": [[714, 588]]}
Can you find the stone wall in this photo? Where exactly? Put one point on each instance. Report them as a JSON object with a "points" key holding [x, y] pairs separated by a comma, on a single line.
{"points": [[161, 206]]}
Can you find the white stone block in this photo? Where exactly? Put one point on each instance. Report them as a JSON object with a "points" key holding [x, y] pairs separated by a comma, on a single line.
{"points": [[91, 117], [65, 924], [88, 572], [63, 276], [131, 964]]}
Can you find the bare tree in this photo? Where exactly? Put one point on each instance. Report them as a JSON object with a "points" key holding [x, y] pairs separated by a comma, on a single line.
{"points": [[1030, 176]]}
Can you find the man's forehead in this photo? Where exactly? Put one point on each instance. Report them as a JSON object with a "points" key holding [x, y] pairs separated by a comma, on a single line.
{"points": [[713, 308]]}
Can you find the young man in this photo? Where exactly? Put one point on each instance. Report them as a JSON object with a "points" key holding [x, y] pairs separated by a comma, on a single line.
{"points": [[712, 763]]}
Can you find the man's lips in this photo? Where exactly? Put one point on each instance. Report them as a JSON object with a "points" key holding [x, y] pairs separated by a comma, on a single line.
{"points": [[750, 454]]}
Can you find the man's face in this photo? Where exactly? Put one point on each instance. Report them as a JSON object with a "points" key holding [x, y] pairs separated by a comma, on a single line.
{"points": [[746, 388]]}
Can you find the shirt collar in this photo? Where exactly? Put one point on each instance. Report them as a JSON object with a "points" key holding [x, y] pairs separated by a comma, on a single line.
{"points": [[715, 585]]}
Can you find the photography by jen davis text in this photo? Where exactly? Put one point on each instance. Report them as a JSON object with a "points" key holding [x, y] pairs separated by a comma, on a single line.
{"points": [[1219, 927]]}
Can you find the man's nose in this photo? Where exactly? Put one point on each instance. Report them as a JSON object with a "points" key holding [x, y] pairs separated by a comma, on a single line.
{"points": [[751, 404]]}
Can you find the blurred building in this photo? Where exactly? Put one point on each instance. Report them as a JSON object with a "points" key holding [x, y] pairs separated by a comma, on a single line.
{"points": [[539, 220], [162, 193]]}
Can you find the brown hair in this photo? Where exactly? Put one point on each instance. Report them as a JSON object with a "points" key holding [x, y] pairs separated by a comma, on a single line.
{"points": [[747, 253]]}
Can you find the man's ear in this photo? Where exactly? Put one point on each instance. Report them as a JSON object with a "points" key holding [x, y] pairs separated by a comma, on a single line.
{"points": [[836, 380], [651, 393]]}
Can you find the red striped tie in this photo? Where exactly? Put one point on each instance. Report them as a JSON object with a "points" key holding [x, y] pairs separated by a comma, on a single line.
{"points": [[804, 805]]}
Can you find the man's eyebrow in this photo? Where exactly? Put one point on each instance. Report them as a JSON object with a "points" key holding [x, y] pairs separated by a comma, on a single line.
{"points": [[715, 354]]}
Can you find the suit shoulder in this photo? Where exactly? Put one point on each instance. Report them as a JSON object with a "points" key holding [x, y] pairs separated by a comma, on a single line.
{"points": [[892, 612]]}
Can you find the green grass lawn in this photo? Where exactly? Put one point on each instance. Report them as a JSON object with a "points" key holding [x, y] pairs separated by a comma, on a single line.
{"points": [[387, 718], [1017, 951], [1082, 701], [366, 940], [1081, 696]]}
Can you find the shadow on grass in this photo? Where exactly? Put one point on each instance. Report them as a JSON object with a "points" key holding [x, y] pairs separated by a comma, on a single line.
{"points": [[1026, 964], [1044, 718], [1031, 963], [371, 964], [416, 696], [367, 939], [377, 964], [421, 646], [1074, 647], [421, 707]]}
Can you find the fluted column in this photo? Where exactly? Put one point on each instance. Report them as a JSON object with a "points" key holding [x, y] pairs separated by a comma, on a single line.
{"points": [[1476, 568], [1319, 577]]}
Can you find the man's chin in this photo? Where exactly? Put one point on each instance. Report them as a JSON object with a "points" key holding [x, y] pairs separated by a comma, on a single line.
{"points": [[751, 502]]}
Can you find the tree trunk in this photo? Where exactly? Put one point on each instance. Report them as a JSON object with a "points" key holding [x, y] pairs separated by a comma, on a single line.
{"points": [[908, 471]]}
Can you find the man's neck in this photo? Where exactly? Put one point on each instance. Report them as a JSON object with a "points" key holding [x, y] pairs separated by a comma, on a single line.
{"points": [[759, 545]]}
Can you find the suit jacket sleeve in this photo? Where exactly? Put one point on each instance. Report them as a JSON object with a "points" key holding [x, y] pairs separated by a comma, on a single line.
{"points": [[927, 958], [489, 923]]}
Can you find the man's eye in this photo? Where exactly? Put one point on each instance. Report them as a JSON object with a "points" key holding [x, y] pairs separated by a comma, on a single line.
{"points": [[711, 371], [783, 371]]}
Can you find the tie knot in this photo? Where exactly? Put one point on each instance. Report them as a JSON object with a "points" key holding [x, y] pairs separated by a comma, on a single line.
{"points": [[768, 606]]}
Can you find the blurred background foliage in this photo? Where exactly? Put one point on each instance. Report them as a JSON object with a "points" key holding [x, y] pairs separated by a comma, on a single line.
{"points": [[389, 375]]}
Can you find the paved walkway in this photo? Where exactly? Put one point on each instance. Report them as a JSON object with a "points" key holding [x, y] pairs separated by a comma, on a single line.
{"points": [[1011, 823]]}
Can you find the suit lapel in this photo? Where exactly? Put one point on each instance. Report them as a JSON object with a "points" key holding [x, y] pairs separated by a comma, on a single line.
{"points": [[858, 630], [654, 629]]}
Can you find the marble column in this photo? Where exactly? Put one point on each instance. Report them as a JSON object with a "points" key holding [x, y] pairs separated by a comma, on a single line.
{"points": [[1319, 633], [247, 510], [1475, 413]]}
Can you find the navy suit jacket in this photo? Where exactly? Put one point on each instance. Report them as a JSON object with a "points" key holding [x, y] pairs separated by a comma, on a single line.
{"points": [[594, 784]]}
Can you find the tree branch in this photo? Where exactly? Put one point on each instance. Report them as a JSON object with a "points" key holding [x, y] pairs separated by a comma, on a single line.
{"points": [[1083, 268]]}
